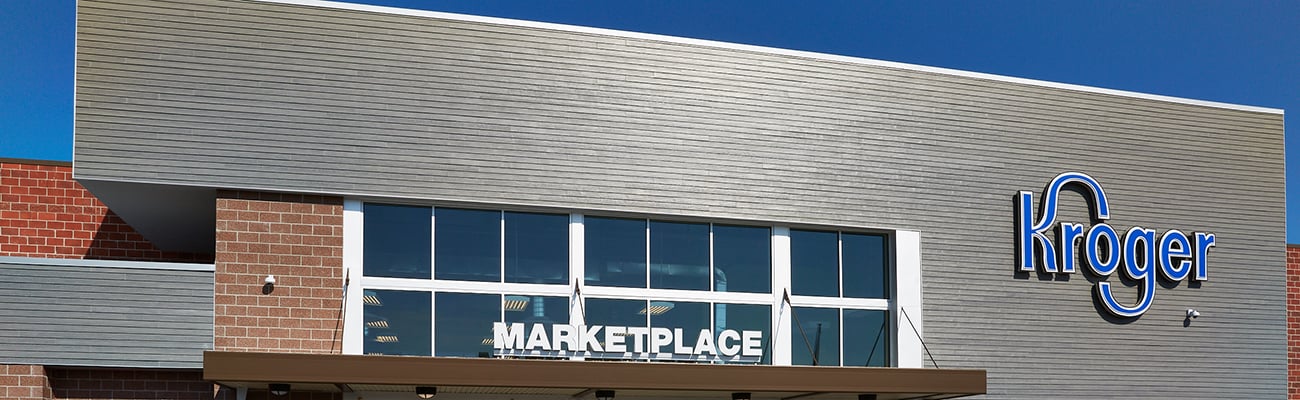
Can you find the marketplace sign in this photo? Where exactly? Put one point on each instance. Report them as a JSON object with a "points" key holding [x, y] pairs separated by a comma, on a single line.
{"points": [[1173, 255], [624, 342]]}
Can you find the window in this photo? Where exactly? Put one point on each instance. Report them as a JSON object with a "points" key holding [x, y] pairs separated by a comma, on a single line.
{"points": [[468, 245], [397, 243], [435, 280], [742, 259], [818, 261], [814, 263], [679, 255], [866, 338], [537, 248], [396, 322], [615, 251], [463, 323]]}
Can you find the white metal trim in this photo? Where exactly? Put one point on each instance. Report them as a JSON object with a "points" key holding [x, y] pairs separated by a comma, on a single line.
{"points": [[781, 328], [765, 50], [907, 253], [353, 260], [839, 302], [610, 292], [72, 262]]}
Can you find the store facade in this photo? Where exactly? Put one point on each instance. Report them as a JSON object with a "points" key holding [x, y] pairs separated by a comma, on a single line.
{"points": [[398, 200]]}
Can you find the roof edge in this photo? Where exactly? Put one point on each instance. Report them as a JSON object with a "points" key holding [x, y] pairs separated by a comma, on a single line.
{"points": [[767, 50]]}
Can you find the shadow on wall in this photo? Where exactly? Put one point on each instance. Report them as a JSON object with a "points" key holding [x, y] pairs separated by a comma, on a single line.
{"points": [[115, 240]]}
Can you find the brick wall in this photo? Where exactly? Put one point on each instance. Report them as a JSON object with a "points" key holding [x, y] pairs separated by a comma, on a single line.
{"points": [[297, 238], [44, 213], [23, 382], [116, 383], [1293, 320]]}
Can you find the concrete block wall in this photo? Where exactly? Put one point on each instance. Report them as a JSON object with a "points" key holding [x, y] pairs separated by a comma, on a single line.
{"points": [[299, 240], [23, 382], [122, 383], [44, 213]]}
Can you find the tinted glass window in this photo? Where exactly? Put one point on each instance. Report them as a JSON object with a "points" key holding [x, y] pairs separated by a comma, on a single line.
{"points": [[464, 323], [396, 243], [679, 255], [536, 309], [865, 266], [742, 259], [537, 248], [689, 317], [866, 338], [396, 322], [746, 317], [468, 245], [616, 312], [821, 327], [814, 263], [615, 251]]}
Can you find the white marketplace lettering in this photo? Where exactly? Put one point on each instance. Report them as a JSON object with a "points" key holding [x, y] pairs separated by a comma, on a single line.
{"points": [[623, 339]]}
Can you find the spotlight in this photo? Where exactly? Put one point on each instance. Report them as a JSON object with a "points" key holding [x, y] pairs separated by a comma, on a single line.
{"points": [[426, 392], [278, 389], [604, 395], [740, 396]]}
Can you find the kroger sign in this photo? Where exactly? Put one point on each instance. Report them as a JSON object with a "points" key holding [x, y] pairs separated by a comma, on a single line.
{"points": [[1173, 254]]}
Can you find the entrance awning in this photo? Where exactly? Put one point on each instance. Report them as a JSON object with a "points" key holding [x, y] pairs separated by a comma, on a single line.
{"points": [[578, 379]]}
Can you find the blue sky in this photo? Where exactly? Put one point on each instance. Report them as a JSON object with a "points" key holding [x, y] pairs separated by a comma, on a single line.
{"points": [[1245, 52]]}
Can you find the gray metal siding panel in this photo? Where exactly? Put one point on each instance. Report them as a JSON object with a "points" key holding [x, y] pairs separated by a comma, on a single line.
{"points": [[104, 316], [246, 94]]}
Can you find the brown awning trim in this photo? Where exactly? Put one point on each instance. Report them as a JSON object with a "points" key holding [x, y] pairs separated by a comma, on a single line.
{"points": [[489, 372]]}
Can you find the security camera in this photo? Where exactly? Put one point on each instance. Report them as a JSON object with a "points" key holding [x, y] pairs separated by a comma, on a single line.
{"points": [[1192, 313], [270, 279]]}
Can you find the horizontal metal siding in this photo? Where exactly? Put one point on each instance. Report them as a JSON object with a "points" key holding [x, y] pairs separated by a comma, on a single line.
{"points": [[255, 95], [104, 316]]}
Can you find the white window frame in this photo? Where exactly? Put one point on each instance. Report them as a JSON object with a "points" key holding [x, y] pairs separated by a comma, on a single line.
{"points": [[906, 349]]}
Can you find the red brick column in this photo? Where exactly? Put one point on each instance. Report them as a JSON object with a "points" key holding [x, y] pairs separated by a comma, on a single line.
{"points": [[125, 383], [24, 382], [299, 240], [1293, 320], [44, 213]]}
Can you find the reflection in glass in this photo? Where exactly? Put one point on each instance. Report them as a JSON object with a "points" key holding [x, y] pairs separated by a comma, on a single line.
{"points": [[615, 251], [690, 317], [746, 317], [396, 243], [613, 312], [679, 255], [468, 245], [866, 338], [464, 323], [396, 322], [814, 263], [537, 248], [821, 327], [866, 272], [742, 259], [536, 309]]}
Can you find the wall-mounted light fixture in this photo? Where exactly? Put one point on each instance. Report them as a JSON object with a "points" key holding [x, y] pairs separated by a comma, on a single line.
{"points": [[740, 396], [604, 395], [278, 389], [426, 392]]}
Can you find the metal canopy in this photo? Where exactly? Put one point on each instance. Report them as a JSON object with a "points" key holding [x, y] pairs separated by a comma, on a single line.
{"points": [[577, 379]]}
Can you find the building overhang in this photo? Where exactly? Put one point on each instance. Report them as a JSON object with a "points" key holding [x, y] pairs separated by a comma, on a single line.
{"points": [[575, 379]]}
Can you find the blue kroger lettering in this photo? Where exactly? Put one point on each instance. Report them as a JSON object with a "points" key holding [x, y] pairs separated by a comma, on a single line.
{"points": [[1172, 255]]}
